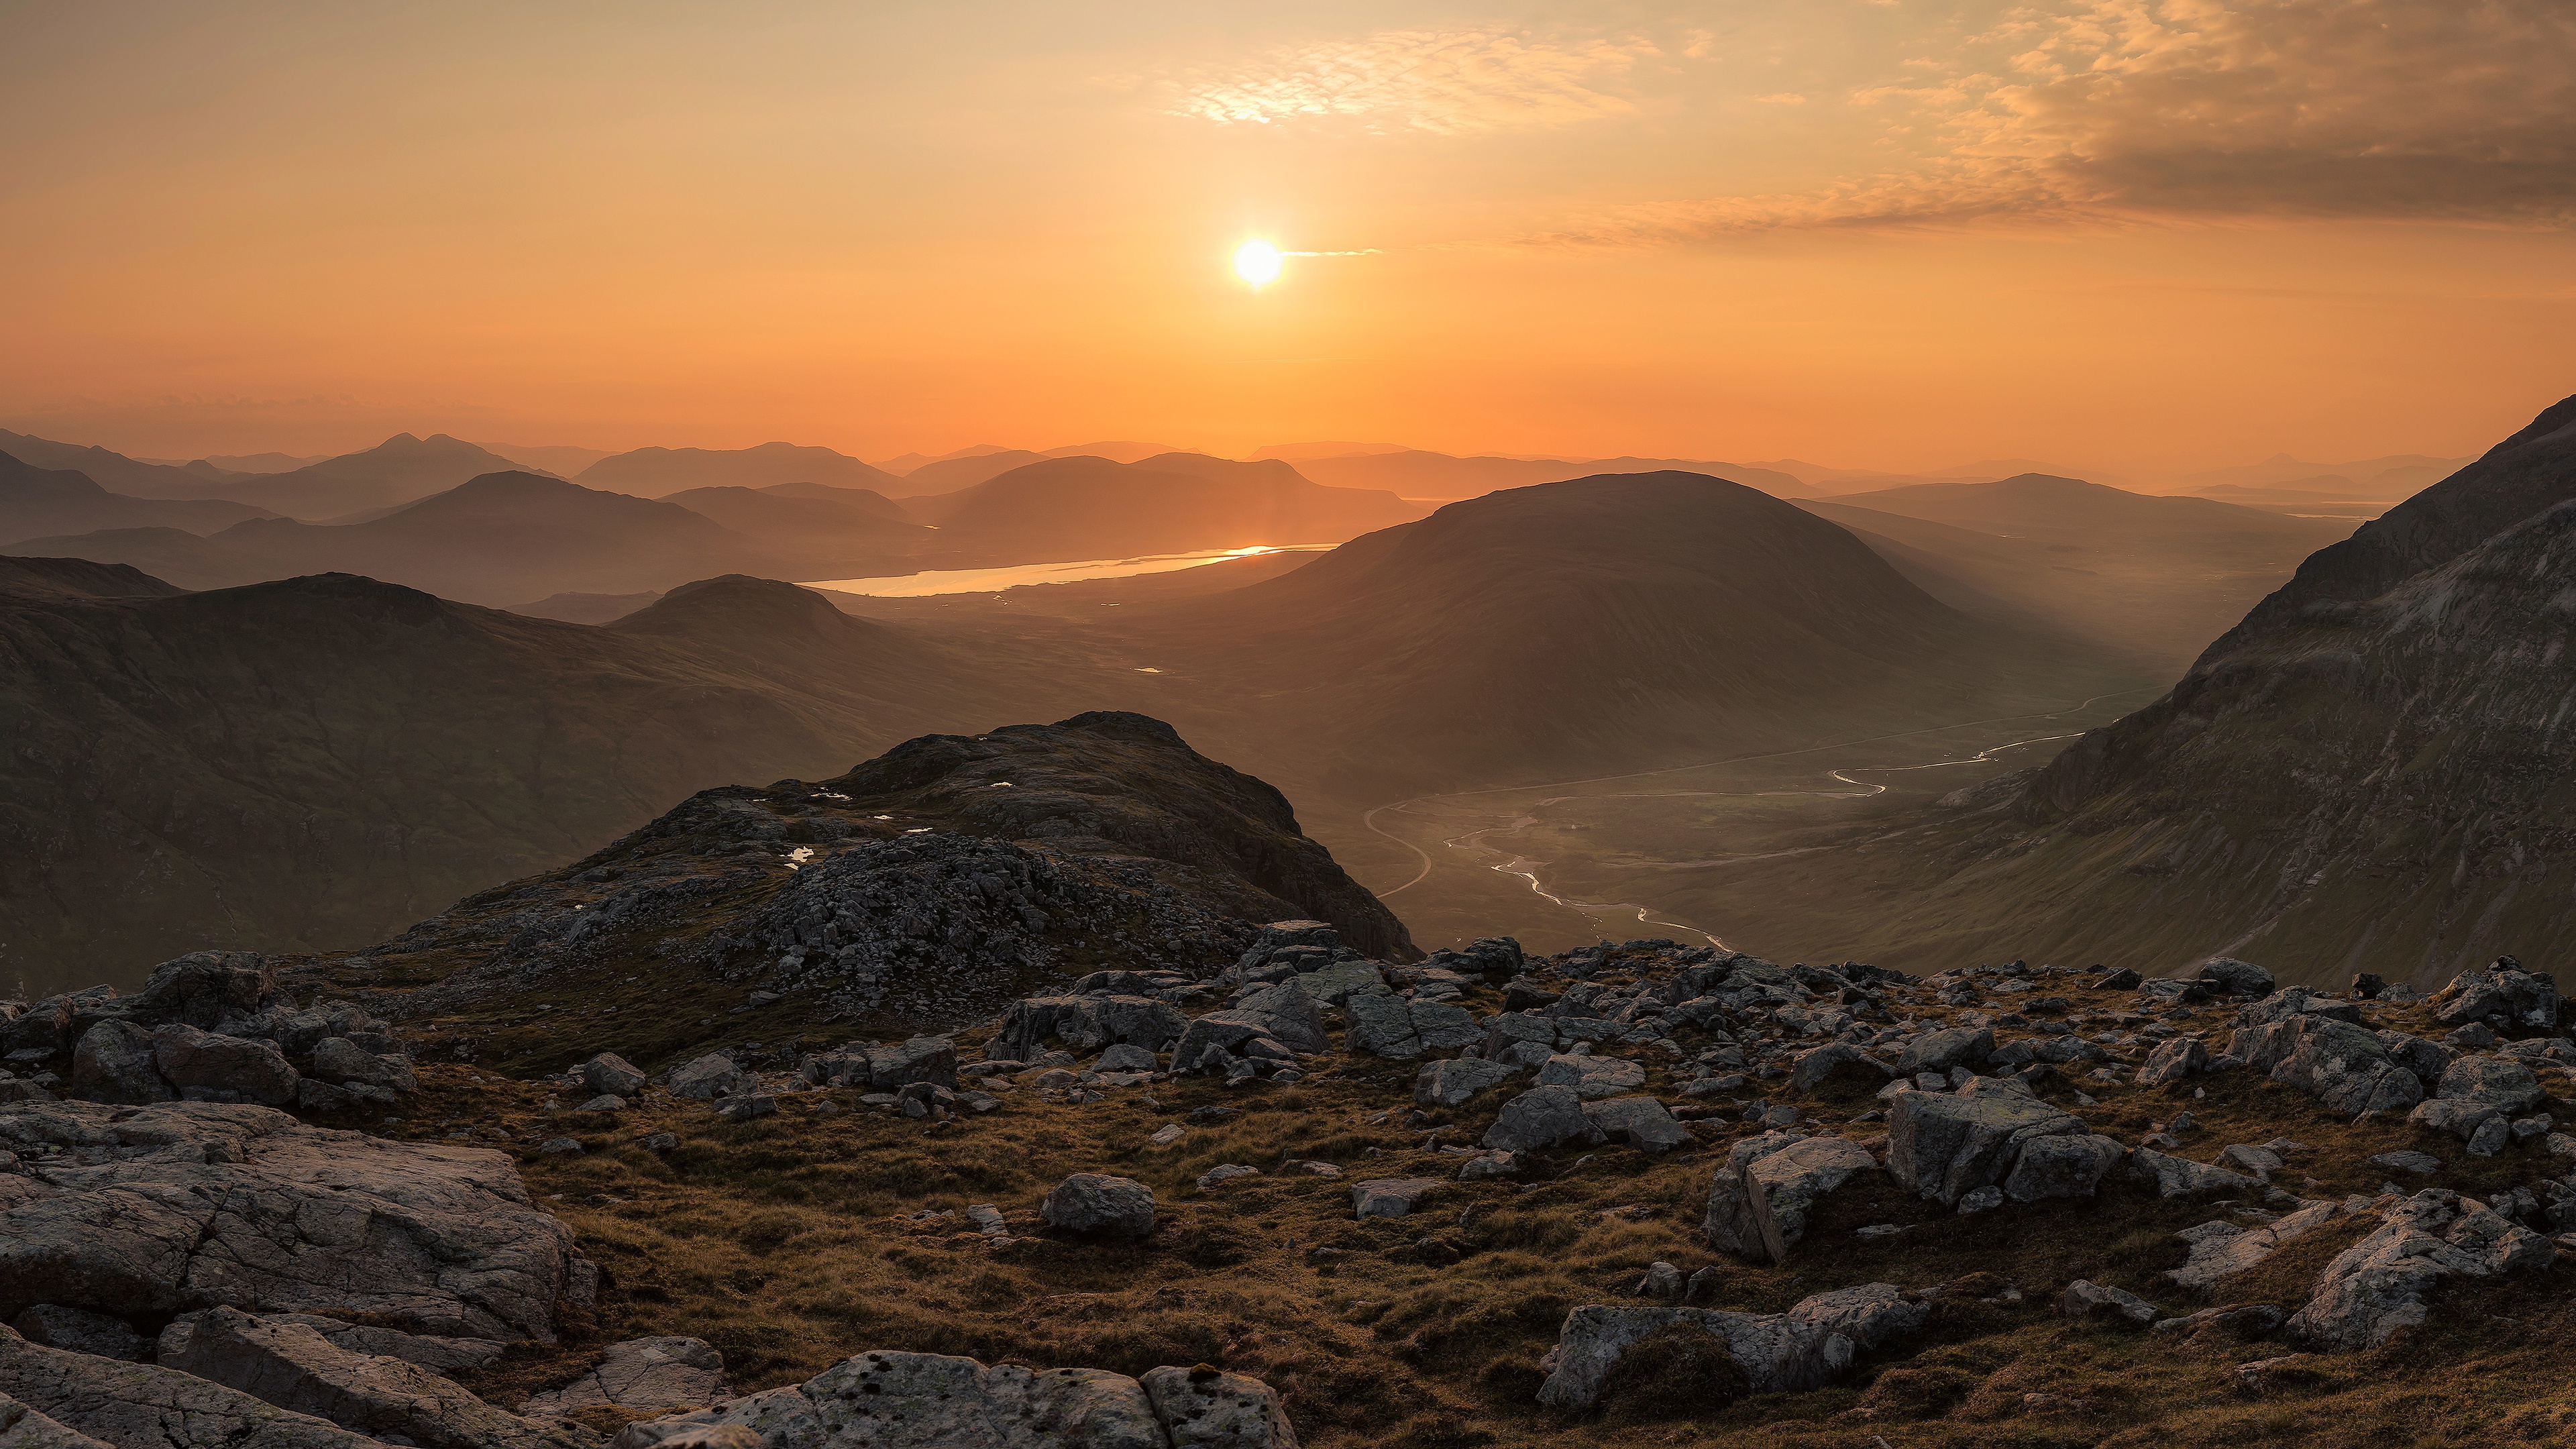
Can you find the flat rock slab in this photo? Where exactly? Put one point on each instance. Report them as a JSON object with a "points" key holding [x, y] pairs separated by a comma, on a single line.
{"points": [[643, 1375], [1779, 1352], [179, 1206], [141, 1406], [1389, 1197], [294, 1368]]}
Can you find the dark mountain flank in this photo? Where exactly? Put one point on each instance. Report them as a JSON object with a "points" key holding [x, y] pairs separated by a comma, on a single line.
{"points": [[314, 761], [2368, 774], [118, 473], [78, 578], [36, 502], [1566, 628], [1083, 507], [396, 471]]}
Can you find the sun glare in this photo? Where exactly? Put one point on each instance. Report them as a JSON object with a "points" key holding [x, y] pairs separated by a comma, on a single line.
{"points": [[1257, 262]]}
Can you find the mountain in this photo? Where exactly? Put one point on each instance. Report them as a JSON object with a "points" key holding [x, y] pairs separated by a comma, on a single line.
{"points": [[1604, 622], [657, 472], [314, 761], [500, 537], [905, 463], [1116, 451], [42, 502], [260, 462], [948, 475], [399, 470], [562, 460], [115, 472], [78, 578], [812, 517], [2364, 774], [2038, 505], [1418, 474], [579, 608], [1304, 452], [1081, 508], [2386, 479]]}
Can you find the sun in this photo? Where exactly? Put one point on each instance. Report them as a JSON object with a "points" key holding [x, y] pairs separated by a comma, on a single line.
{"points": [[1257, 262]]}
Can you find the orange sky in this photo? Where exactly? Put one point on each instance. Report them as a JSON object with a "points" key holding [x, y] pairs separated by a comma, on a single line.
{"points": [[2143, 234]]}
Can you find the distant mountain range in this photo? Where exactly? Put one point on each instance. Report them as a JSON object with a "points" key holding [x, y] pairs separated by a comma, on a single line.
{"points": [[1418, 474], [37, 502], [657, 472], [1085, 507]]}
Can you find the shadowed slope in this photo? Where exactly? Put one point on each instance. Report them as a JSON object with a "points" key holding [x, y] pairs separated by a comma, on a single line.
{"points": [[37, 502]]}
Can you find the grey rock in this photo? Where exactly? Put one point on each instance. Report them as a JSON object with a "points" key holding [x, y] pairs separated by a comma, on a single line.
{"points": [[1540, 1118], [1663, 1283], [1778, 1352], [2380, 1284], [1089, 1202], [1941, 1147], [2172, 1062], [23, 1428], [709, 1076], [142, 1406], [2221, 1249], [561, 1147], [114, 1063], [438, 1355], [1125, 1057], [610, 1075], [1813, 1067], [1939, 1051], [201, 1065], [178, 1206], [1382, 1026], [2182, 1177], [2497, 1081], [2408, 1160], [82, 1331], [931, 1059], [1513, 1027], [930, 1401], [1487, 1165], [297, 1369], [2501, 993], [2084, 1298], [604, 1104], [2243, 978], [2493, 1136], [1088, 1023], [1593, 1076], [1225, 1172], [2345, 1067], [338, 1059], [1759, 1199], [1641, 1122], [1454, 1082], [1389, 1197], [2428, 1060], [641, 1375], [1443, 1027]]}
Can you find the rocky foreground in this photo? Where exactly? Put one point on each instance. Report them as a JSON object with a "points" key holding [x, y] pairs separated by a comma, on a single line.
{"points": [[791, 1122]]}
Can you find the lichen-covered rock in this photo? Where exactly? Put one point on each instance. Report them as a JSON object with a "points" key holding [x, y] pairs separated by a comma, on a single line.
{"points": [[2502, 994], [1086, 1023], [2380, 1284], [2172, 1062], [1641, 1122], [1775, 1352], [203, 1066], [1452, 1083], [2182, 1177], [889, 1400], [1103, 1206], [297, 1369], [1942, 1147], [1939, 1051], [2223, 1249], [115, 1063], [610, 1075], [143, 1406], [1382, 1026], [1814, 1067], [643, 1376], [2084, 1299], [2345, 1067], [1539, 1118], [1389, 1197], [185, 1205], [709, 1076], [1593, 1076], [338, 1059], [2243, 978], [1759, 1199]]}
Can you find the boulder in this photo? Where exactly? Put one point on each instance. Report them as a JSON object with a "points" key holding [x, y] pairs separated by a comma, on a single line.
{"points": [[1939, 1051], [1773, 1352], [1125, 1057], [1451, 1083], [2084, 1298], [115, 1063], [338, 1059], [438, 1355], [1511, 1028], [641, 1375], [209, 1068], [1593, 1076], [2428, 1060], [1389, 1197], [185, 1205], [929, 1401], [1759, 1199], [1087, 1023], [297, 1369], [2347, 1068], [2499, 1082], [2502, 994], [710, 1076], [23, 1428], [2380, 1284], [610, 1075], [142, 1406], [82, 1331], [1942, 1147], [931, 1059], [2182, 1177], [1814, 1067], [1539, 1118], [1092, 1203], [1641, 1122], [1337, 983], [2242, 978], [2224, 1249], [2172, 1062], [1381, 1026]]}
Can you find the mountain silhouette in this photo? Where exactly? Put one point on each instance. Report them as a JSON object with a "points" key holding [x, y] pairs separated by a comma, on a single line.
{"points": [[657, 472], [116, 472], [42, 502], [399, 470], [78, 578], [1081, 508]]}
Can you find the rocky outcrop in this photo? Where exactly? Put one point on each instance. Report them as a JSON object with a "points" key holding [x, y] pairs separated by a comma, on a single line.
{"points": [[141, 1406], [179, 1206], [925, 1399], [1455, 1082], [1539, 1118], [2502, 995], [2380, 1284], [1759, 1199], [1943, 1147], [1772, 1352], [297, 1369], [642, 1376], [2345, 1067], [23, 1428]]}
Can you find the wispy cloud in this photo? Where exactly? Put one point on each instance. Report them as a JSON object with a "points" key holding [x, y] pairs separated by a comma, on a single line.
{"points": [[2110, 110], [1443, 82]]}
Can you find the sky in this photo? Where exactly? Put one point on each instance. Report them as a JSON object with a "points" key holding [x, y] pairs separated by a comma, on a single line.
{"points": [[2142, 235]]}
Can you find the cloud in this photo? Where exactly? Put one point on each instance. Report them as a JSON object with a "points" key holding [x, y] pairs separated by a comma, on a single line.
{"points": [[2117, 110], [1443, 82]]}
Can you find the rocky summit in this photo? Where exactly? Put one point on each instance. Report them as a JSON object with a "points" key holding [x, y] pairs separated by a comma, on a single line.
{"points": [[1050, 1088]]}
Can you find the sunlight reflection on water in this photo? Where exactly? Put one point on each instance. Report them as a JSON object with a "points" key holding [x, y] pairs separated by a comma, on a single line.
{"points": [[982, 581]]}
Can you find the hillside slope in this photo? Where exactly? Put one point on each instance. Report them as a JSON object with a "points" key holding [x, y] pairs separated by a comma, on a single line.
{"points": [[397, 471], [37, 502], [657, 472], [311, 762], [1081, 508]]}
